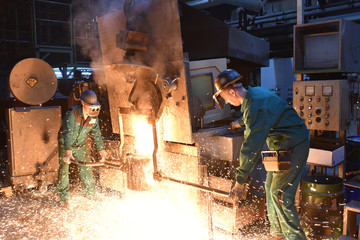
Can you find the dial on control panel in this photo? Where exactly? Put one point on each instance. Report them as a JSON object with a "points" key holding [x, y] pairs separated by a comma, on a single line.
{"points": [[316, 101]]}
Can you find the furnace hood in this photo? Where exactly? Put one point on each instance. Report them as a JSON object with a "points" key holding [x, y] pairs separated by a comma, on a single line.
{"points": [[175, 35], [206, 37]]}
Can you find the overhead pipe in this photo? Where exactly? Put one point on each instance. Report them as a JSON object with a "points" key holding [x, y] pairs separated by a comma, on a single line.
{"points": [[334, 7], [248, 4], [308, 11]]}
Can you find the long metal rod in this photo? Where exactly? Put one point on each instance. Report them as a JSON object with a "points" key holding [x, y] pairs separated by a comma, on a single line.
{"points": [[100, 164], [88, 164], [153, 122], [205, 188], [159, 175]]}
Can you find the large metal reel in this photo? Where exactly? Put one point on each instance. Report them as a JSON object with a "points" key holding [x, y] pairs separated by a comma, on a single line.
{"points": [[33, 81]]}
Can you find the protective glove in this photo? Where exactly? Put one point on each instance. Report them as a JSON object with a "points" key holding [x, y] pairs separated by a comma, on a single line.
{"points": [[68, 157], [233, 172], [103, 155], [234, 125], [238, 192]]}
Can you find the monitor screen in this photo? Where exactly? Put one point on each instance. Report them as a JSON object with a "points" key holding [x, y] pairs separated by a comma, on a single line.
{"points": [[202, 77], [202, 87], [321, 51]]}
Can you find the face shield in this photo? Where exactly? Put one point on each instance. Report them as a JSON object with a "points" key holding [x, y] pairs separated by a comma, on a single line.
{"points": [[219, 100], [94, 110]]}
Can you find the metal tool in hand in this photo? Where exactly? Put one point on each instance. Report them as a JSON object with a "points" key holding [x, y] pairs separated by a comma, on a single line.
{"points": [[239, 192], [106, 163]]}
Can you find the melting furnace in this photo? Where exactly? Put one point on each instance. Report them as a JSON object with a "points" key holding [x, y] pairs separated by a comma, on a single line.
{"points": [[160, 74]]}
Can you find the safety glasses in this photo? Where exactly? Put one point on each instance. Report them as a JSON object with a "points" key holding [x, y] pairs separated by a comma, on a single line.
{"points": [[94, 108], [219, 100]]}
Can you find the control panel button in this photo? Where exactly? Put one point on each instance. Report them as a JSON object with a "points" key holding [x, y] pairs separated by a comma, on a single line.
{"points": [[318, 111], [327, 99], [310, 115], [327, 123], [327, 115], [301, 107], [310, 121], [310, 99], [318, 119], [310, 107], [318, 99], [301, 114], [302, 98], [327, 106]]}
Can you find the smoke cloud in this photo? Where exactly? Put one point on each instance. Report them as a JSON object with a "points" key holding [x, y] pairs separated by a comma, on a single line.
{"points": [[155, 18]]}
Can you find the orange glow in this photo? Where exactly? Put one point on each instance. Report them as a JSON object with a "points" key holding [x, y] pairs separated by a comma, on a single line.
{"points": [[144, 144], [144, 141], [149, 170]]}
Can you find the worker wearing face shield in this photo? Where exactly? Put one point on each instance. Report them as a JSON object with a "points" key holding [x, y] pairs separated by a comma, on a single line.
{"points": [[267, 118], [78, 122]]}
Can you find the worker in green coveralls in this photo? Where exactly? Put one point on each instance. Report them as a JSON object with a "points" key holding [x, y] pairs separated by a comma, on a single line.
{"points": [[267, 118], [78, 122]]}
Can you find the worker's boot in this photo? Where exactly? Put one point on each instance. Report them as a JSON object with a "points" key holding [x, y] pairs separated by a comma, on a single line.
{"points": [[65, 205], [96, 197], [277, 238]]}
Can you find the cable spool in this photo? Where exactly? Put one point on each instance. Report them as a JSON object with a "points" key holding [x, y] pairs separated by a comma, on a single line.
{"points": [[33, 81]]}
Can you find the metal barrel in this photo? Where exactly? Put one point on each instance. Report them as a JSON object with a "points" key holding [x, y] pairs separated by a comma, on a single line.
{"points": [[322, 200], [138, 173]]}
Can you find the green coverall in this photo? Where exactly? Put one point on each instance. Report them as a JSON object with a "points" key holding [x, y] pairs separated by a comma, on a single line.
{"points": [[72, 136], [267, 117]]}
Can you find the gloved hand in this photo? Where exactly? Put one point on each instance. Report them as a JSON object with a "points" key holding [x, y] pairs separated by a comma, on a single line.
{"points": [[234, 125], [238, 192], [103, 155], [68, 157], [233, 172]]}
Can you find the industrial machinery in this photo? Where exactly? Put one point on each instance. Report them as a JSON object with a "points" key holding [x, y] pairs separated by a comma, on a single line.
{"points": [[160, 66], [327, 54], [33, 130]]}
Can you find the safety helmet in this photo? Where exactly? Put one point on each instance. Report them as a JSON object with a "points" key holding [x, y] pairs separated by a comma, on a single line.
{"points": [[224, 79], [89, 98]]}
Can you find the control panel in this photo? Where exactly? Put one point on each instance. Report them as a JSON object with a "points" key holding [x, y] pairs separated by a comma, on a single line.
{"points": [[323, 104]]}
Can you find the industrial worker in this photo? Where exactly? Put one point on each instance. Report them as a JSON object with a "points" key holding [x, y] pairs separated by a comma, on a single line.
{"points": [[78, 122], [267, 118]]}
